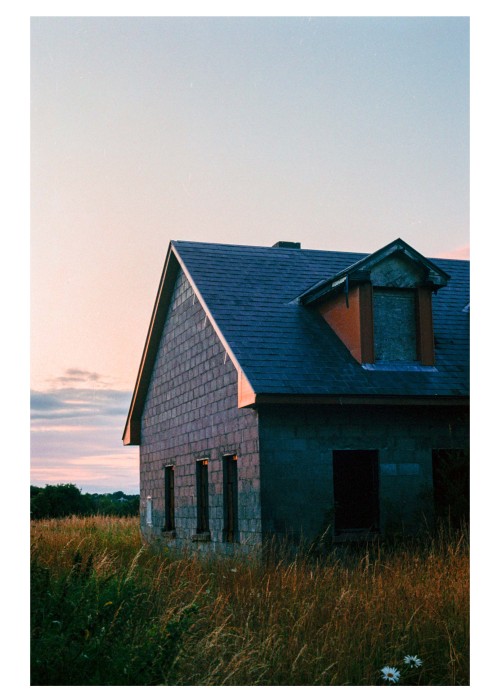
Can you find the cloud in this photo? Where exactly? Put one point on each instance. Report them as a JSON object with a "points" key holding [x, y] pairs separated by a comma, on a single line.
{"points": [[72, 405], [82, 375], [462, 253], [102, 472], [76, 438], [75, 376]]}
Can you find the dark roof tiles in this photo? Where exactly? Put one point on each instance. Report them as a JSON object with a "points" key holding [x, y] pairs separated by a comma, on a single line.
{"points": [[286, 348]]}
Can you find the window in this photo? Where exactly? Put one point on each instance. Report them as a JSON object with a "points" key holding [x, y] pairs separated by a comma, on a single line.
{"points": [[394, 325], [355, 490], [230, 469], [149, 511], [169, 499], [202, 495]]}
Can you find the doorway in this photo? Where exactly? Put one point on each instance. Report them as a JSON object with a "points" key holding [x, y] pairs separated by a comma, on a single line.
{"points": [[356, 490], [450, 472]]}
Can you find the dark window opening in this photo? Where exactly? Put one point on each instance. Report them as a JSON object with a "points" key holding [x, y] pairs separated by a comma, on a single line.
{"points": [[169, 499], [230, 469], [356, 490], [202, 495], [394, 325], [450, 471]]}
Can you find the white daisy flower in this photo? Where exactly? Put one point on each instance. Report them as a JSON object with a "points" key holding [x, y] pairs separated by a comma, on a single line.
{"points": [[413, 661], [389, 673]]}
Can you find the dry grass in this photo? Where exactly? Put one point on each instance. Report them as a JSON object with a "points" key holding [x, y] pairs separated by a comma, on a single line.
{"points": [[295, 621], [107, 538]]}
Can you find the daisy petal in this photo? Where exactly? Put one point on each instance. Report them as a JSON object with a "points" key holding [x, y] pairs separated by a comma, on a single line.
{"points": [[391, 674], [413, 661]]}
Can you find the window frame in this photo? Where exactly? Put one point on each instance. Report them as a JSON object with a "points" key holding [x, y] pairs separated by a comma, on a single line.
{"points": [[202, 498], [169, 485], [230, 498]]}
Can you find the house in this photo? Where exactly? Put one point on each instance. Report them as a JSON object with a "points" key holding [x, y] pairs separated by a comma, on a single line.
{"points": [[285, 391]]}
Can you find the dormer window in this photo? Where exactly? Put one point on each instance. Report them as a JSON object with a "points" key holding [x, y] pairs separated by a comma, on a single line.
{"points": [[381, 307], [394, 325]]}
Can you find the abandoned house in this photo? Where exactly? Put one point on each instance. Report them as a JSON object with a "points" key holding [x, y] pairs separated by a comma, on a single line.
{"points": [[289, 392]]}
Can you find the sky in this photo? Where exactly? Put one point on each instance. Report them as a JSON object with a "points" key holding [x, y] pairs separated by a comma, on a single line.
{"points": [[342, 133]]}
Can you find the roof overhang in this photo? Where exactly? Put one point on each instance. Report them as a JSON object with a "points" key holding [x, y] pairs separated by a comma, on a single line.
{"points": [[350, 400]]}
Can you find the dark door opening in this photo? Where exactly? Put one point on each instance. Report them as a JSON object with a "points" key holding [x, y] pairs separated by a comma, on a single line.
{"points": [[450, 472], [356, 490]]}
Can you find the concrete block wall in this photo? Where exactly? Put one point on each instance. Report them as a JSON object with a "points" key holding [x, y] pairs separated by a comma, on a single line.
{"points": [[297, 445], [191, 413]]}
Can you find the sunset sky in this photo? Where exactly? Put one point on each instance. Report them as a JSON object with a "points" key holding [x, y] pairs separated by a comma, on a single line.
{"points": [[342, 133]]}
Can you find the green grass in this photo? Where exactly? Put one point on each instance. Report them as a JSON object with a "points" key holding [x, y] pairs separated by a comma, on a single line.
{"points": [[107, 611]]}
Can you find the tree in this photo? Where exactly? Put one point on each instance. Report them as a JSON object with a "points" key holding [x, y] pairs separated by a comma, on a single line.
{"points": [[66, 499], [59, 501]]}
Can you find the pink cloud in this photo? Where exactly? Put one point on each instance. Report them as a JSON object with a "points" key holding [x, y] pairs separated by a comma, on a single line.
{"points": [[462, 253], [97, 473]]}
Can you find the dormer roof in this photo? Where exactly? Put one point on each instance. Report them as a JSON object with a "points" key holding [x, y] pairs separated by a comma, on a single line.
{"points": [[425, 272]]}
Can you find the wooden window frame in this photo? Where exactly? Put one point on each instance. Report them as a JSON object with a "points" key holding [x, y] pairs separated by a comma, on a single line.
{"points": [[230, 498], [202, 504], [169, 498], [425, 327]]}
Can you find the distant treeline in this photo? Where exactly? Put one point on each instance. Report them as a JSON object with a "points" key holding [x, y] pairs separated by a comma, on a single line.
{"points": [[66, 499]]}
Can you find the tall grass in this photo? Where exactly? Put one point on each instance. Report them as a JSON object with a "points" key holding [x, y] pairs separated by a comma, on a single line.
{"points": [[288, 620]]}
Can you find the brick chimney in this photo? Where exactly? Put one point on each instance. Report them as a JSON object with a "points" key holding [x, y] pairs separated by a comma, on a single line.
{"points": [[286, 244]]}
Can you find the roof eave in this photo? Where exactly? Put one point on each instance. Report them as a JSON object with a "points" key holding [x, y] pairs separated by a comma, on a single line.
{"points": [[345, 400]]}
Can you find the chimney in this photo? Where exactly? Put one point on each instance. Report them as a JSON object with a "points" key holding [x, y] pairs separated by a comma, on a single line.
{"points": [[286, 244]]}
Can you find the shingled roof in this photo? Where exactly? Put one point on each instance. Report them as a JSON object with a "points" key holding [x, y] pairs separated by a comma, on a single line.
{"points": [[285, 349]]}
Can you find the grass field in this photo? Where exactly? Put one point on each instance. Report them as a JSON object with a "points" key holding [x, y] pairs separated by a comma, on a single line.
{"points": [[107, 611]]}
